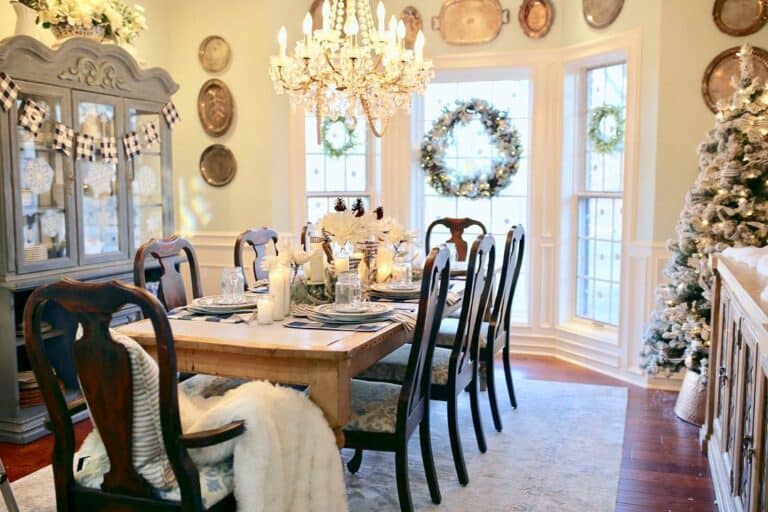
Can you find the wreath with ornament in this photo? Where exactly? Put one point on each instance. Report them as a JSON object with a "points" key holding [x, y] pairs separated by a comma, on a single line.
{"points": [[349, 140], [602, 142], [484, 183]]}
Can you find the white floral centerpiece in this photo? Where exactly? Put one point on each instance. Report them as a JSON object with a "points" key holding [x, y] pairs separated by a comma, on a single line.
{"points": [[95, 19]]}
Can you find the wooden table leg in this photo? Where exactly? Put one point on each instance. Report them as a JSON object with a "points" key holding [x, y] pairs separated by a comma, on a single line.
{"points": [[339, 432]]}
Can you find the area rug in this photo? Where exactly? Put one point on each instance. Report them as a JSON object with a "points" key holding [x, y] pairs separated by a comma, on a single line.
{"points": [[559, 451]]}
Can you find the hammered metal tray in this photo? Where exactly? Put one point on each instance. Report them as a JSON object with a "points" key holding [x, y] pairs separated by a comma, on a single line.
{"points": [[740, 17], [716, 83], [463, 22], [218, 165], [215, 107], [601, 13], [536, 17]]}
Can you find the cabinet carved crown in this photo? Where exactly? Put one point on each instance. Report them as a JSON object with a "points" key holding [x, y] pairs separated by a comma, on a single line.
{"points": [[93, 73]]}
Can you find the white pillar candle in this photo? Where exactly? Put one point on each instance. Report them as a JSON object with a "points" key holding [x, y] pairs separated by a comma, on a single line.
{"points": [[384, 259], [317, 263], [277, 287], [265, 312], [341, 264]]}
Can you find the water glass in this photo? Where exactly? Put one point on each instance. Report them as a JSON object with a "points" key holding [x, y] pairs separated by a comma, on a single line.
{"points": [[349, 292], [402, 271], [233, 285]]}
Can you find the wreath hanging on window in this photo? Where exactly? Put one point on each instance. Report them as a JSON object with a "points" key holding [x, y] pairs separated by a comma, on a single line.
{"points": [[350, 140], [485, 182], [606, 141]]}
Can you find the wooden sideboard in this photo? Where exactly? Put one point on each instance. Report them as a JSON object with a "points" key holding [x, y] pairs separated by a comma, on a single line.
{"points": [[86, 219], [735, 433]]}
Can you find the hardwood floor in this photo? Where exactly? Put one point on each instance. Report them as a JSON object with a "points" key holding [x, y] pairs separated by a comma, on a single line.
{"points": [[662, 468]]}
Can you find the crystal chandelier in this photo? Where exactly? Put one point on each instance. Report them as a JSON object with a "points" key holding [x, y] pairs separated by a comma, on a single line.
{"points": [[350, 67]]}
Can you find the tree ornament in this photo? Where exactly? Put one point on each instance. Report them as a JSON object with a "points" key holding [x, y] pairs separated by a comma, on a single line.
{"points": [[485, 183]]}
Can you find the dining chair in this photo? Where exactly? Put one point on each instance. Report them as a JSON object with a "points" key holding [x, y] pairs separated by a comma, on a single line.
{"points": [[6, 491], [111, 388], [455, 369], [167, 252], [497, 329], [385, 415], [457, 227], [258, 240]]}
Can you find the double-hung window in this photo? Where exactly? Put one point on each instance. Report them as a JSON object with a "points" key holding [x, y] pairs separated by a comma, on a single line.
{"points": [[328, 177], [600, 189]]}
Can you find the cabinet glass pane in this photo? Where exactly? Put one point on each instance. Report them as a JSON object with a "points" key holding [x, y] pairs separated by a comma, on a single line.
{"points": [[42, 175], [146, 184], [101, 226]]}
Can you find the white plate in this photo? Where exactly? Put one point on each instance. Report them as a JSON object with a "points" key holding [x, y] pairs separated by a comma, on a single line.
{"points": [[347, 321], [390, 289], [371, 309], [217, 303], [206, 311]]}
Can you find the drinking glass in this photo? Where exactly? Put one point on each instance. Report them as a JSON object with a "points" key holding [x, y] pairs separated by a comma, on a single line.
{"points": [[349, 292], [402, 271], [233, 285]]}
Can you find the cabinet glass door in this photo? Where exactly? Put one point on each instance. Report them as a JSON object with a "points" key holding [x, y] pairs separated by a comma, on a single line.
{"points": [[148, 174], [100, 184], [43, 180]]}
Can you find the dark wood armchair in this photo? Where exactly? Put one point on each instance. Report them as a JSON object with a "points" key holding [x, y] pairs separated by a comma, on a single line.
{"points": [[104, 370], [372, 426], [257, 240], [167, 252], [457, 227], [326, 241], [498, 326]]}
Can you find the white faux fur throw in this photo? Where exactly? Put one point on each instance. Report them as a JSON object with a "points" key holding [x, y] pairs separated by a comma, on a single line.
{"points": [[287, 458], [285, 461]]}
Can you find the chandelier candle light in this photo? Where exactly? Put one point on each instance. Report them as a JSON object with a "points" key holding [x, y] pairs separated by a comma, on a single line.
{"points": [[350, 67]]}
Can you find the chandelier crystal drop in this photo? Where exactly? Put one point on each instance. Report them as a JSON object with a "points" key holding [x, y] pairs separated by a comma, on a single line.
{"points": [[351, 66]]}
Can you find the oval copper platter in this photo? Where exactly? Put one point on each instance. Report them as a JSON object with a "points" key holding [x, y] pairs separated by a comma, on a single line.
{"points": [[215, 107]]}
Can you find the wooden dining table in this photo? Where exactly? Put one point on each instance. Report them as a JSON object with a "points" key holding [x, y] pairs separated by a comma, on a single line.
{"points": [[324, 360]]}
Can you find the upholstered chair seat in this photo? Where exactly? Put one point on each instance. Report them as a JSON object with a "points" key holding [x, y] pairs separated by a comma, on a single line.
{"points": [[392, 367], [374, 407], [446, 336]]}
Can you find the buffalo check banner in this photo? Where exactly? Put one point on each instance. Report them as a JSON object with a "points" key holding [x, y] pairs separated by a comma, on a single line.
{"points": [[9, 91], [62, 138], [31, 116], [131, 145], [151, 133], [171, 114], [109, 150], [85, 149]]}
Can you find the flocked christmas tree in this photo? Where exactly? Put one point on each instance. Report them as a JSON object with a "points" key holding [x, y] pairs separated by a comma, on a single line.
{"points": [[727, 207]]}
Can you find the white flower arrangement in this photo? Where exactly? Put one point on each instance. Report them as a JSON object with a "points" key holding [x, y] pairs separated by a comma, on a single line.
{"points": [[120, 21], [353, 226], [288, 256]]}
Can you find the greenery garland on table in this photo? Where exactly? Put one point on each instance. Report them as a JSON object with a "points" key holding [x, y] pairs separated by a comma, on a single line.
{"points": [[351, 141], [484, 183], [602, 142]]}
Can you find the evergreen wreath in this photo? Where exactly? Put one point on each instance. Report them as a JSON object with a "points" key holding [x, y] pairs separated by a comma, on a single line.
{"points": [[484, 183], [602, 142], [330, 149]]}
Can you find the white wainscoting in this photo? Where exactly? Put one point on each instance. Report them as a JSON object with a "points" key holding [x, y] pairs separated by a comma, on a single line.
{"points": [[617, 356]]}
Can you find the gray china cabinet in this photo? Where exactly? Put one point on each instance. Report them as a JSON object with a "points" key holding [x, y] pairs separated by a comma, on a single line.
{"points": [[66, 217]]}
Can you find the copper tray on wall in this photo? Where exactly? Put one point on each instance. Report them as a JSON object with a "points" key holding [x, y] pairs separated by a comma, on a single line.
{"points": [[536, 17], [215, 107], [464, 22], [601, 13], [214, 54], [218, 165], [740, 17], [716, 83]]}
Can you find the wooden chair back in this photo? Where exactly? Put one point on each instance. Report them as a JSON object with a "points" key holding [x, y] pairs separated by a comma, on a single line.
{"points": [[480, 270], [457, 227], [104, 370], [414, 398], [514, 251], [167, 251], [258, 240]]}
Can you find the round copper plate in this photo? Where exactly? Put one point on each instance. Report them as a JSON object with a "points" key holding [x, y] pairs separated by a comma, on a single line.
{"points": [[716, 83], [218, 165], [536, 17], [601, 13], [214, 54], [740, 17], [215, 107]]}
